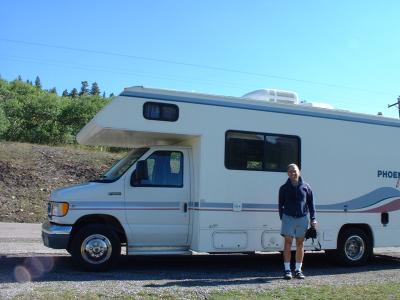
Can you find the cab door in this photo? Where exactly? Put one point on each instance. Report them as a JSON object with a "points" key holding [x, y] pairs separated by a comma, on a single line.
{"points": [[157, 207]]}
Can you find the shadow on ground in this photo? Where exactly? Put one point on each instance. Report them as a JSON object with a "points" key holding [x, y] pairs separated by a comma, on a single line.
{"points": [[185, 271]]}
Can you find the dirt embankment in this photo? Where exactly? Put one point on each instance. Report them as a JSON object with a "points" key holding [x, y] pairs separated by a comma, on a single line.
{"points": [[28, 174]]}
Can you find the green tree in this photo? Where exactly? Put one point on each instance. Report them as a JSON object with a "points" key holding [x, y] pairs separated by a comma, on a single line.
{"points": [[5, 92], [4, 123], [29, 114], [95, 90], [38, 84], [65, 93], [84, 88], [34, 119], [73, 93], [77, 113], [20, 89], [53, 90]]}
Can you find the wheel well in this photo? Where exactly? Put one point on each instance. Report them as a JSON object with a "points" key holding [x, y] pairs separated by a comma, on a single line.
{"points": [[364, 227], [106, 220]]}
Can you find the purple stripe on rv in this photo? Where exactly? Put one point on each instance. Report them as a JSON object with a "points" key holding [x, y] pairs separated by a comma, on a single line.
{"points": [[364, 201]]}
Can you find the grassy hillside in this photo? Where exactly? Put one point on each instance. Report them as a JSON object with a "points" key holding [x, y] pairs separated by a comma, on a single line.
{"points": [[29, 172]]}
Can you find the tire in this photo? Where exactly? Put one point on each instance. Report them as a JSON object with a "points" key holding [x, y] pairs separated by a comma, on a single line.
{"points": [[95, 248], [354, 247]]}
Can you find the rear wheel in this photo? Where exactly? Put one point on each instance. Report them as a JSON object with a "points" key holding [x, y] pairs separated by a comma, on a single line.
{"points": [[354, 247], [95, 248]]}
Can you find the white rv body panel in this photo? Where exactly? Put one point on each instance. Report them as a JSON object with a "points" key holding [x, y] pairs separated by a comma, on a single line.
{"points": [[344, 157]]}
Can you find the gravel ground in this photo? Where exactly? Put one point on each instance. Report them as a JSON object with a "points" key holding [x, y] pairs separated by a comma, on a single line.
{"points": [[27, 267]]}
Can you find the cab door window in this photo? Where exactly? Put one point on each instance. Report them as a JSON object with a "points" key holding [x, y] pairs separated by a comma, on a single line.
{"points": [[165, 169]]}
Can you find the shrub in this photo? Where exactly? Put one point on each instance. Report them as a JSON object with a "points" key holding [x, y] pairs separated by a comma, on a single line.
{"points": [[29, 114]]}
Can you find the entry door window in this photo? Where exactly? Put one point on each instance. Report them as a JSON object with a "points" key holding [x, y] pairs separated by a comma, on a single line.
{"points": [[165, 169]]}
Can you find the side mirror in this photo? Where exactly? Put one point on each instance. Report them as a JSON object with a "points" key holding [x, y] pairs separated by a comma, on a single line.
{"points": [[141, 172]]}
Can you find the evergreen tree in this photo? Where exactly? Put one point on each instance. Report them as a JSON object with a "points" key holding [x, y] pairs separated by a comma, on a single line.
{"points": [[53, 90], [95, 90], [111, 95], [104, 94], [38, 84], [65, 93], [84, 88], [74, 93], [19, 78]]}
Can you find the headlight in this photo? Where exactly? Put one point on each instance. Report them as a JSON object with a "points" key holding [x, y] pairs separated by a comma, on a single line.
{"points": [[57, 209]]}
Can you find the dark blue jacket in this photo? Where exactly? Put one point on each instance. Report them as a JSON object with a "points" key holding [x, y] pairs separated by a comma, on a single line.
{"points": [[296, 201]]}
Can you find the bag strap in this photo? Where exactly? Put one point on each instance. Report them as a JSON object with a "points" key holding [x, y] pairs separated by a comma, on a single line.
{"points": [[319, 247]]}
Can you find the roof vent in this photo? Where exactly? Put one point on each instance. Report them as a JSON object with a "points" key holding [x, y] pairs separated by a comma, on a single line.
{"points": [[273, 96], [318, 104]]}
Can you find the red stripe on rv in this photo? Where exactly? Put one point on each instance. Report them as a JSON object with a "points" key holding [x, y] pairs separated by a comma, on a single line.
{"points": [[391, 206]]}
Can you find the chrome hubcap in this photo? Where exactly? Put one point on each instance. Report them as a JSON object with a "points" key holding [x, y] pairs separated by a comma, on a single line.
{"points": [[96, 249], [354, 247]]}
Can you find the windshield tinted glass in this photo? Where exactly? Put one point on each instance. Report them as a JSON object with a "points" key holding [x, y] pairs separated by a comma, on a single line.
{"points": [[118, 169]]}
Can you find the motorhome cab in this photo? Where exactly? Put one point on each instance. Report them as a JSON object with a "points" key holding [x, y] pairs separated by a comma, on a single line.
{"points": [[204, 175]]}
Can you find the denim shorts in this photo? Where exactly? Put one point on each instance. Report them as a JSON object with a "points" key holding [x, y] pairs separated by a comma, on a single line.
{"points": [[294, 227]]}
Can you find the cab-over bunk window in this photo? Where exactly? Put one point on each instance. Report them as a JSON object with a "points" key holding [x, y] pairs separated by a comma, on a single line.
{"points": [[261, 151], [160, 111]]}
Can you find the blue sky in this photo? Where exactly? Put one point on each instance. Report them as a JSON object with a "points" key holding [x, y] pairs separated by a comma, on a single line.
{"points": [[345, 53]]}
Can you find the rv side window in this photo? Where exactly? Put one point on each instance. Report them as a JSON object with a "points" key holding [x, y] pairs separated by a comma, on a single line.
{"points": [[280, 151], [165, 169], [160, 111], [244, 151], [260, 151]]}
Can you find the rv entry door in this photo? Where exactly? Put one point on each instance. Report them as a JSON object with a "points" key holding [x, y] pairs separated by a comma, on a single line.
{"points": [[157, 206]]}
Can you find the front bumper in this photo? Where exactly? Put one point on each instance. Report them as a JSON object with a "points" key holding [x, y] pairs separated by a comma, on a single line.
{"points": [[56, 236]]}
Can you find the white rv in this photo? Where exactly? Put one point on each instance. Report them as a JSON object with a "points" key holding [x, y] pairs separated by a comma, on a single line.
{"points": [[205, 171]]}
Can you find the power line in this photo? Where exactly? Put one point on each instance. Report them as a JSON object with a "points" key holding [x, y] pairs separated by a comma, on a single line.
{"points": [[209, 67], [121, 71]]}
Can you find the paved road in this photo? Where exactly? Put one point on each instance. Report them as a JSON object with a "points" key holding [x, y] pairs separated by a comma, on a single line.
{"points": [[23, 259], [23, 238]]}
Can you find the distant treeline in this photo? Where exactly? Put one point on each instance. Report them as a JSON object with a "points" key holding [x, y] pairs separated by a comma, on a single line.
{"points": [[31, 114]]}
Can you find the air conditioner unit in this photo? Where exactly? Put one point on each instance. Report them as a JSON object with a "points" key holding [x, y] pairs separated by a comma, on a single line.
{"points": [[273, 95]]}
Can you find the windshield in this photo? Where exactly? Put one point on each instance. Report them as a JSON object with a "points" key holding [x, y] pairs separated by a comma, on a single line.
{"points": [[118, 169]]}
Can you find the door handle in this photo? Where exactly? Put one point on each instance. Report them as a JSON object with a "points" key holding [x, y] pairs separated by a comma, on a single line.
{"points": [[114, 193], [185, 207]]}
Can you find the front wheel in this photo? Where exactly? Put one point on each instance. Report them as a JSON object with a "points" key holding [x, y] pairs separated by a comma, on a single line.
{"points": [[354, 247], [95, 248]]}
